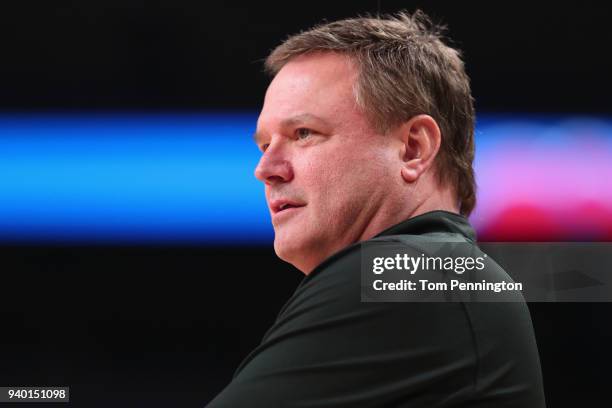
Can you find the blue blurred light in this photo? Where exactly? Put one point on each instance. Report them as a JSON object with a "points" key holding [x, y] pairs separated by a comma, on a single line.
{"points": [[173, 178], [131, 179]]}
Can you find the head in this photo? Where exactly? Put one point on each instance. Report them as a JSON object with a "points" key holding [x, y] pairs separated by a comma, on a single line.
{"points": [[366, 122]]}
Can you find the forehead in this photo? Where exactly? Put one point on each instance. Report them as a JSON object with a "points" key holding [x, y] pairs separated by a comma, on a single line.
{"points": [[319, 84]]}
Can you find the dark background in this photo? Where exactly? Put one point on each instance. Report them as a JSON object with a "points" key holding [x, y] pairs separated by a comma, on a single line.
{"points": [[167, 325]]}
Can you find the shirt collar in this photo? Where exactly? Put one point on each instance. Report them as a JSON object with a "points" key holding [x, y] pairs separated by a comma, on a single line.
{"points": [[433, 221]]}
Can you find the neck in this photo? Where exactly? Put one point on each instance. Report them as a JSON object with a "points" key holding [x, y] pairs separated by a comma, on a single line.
{"points": [[439, 199]]}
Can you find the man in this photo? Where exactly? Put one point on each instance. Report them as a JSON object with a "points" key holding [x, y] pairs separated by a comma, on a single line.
{"points": [[366, 136]]}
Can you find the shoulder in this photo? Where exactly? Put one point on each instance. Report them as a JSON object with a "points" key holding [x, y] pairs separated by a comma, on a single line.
{"points": [[330, 301], [327, 343]]}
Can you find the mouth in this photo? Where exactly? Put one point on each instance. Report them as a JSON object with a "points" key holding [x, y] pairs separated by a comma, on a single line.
{"points": [[284, 206]]}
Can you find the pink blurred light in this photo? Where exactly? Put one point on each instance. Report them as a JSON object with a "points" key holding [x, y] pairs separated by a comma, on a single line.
{"points": [[554, 185]]}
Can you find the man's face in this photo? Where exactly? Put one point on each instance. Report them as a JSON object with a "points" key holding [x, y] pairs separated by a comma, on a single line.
{"points": [[326, 170]]}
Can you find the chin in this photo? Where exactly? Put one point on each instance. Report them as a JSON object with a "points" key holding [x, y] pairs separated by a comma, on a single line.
{"points": [[283, 248], [290, 250]]}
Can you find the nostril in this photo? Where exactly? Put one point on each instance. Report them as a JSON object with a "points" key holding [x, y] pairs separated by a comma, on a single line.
{"points": [[274, 179]]}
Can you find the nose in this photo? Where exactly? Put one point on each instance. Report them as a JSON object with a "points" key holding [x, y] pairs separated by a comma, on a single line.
{"points": [[274, 167]]}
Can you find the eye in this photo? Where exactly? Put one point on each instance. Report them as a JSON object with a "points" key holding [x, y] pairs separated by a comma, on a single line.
{"points": [[303, 133], [264, 147]]}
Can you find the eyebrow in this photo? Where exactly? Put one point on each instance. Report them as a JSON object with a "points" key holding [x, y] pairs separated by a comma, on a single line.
{"points": [[293, 121]]}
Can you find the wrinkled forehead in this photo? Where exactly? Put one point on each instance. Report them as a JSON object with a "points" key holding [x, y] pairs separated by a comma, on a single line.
{"points": [[320, 84]]}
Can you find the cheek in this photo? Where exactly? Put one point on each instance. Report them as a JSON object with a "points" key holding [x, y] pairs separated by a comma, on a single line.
{"points": [[335, 180], [337, 191], [326, 178]]}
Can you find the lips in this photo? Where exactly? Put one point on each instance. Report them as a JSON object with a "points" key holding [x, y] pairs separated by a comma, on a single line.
{"points": [[281, 205]]}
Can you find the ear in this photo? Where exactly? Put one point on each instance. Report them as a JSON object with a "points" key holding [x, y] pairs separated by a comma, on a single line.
{"points": [[421, 139]]}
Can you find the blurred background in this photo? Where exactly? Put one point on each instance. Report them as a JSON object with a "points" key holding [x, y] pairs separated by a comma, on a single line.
{"points": [[137, 261]]}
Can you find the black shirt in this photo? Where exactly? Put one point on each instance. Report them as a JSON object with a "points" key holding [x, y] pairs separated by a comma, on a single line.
{"points": [[327, 348]]}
